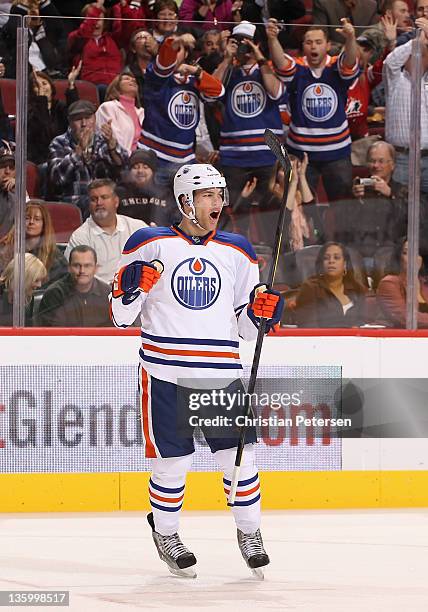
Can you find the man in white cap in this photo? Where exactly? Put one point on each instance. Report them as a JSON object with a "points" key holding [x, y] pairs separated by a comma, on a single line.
{"points": [[251, 104], [196, 291]]}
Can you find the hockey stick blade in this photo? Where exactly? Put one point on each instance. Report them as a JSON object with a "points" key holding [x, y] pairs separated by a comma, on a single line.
{"points": [[277, 148]]}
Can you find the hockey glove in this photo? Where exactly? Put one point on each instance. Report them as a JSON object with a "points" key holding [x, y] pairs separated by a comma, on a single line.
{"points": [[266, 303], [136, 276]]}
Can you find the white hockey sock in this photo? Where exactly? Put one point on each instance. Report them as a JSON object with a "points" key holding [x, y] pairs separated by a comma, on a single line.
{"points": [[246, 510], [166, 490]]}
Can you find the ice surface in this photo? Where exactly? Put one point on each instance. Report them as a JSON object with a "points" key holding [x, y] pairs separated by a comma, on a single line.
{"points": [[320, 561]]}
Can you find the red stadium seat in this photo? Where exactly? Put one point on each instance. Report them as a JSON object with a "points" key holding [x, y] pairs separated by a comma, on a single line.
{"points": [[33, 180], [8, 94], [87, 90], [65, 218]]}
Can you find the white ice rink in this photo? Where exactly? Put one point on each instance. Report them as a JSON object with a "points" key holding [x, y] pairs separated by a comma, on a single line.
{"points": [[320, 561]]}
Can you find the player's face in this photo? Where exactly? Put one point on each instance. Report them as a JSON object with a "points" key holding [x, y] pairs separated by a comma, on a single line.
{"points": [[334, 262], [315, 47], [404, 253], [365, 54], [103, 203], [82, 124], [128, 86], [33, 222], [144, 44], [380, 162], [82, 268], [422, 8], [208, 206], [400, 12], [141, 173], [167, 20], [7, 170], [211, 44]]}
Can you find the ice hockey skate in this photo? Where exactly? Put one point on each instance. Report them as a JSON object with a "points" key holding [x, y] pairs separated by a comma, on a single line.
{"points": [[253, 552], [172, 550]]}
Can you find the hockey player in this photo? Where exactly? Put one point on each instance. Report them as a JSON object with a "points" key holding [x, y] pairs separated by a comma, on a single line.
{"points": [[196, 290]]}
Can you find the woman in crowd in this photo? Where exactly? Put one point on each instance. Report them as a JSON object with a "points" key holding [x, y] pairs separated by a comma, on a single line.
{"points": [[391, 292], [96, 48], [165, 12], [47, 116], [122, 109], [35, 275], [332, 297], [142, 51], [39, 241]]}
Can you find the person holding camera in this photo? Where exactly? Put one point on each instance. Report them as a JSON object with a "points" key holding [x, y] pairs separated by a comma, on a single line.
{"points": [[377, 215], [251, 104]]}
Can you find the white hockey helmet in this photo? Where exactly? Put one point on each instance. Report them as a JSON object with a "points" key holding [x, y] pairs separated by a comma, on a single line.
{"points": [[190, 178]]}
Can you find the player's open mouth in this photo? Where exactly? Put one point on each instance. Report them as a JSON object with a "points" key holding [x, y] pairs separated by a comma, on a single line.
{"points": [[215, 214]]}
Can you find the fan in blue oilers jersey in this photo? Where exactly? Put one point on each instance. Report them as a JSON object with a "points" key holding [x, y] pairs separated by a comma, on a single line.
{"points": [[317, 86], [251, 104], [172, 93], [197, 291]]}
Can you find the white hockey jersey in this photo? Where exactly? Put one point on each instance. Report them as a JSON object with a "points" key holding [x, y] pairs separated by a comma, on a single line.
{"points": [[193, 317]]}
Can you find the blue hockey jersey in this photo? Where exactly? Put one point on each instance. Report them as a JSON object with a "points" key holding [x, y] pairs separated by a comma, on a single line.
{"points": [[172, 107], [317, 105], [248, 111]]}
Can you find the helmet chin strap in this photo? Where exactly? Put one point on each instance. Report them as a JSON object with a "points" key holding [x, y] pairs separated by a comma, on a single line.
{"points": [[192, 217]]}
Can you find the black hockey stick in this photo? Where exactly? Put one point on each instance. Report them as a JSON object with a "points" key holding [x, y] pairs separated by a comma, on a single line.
{"points": [[281, 155]]}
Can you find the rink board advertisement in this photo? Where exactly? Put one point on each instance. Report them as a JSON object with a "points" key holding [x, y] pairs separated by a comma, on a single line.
{"points": [[83, 418]]}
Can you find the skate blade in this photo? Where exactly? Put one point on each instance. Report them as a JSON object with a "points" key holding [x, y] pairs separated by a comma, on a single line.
{"points": [[258, 573], [188, 572]]}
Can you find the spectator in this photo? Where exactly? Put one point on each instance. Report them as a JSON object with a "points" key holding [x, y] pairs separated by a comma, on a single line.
{"points": [[35, 275], [300, 205], [393, 12], [82, 154], [47, 38], [359, 94], [392, 290], [252, 92], [421, 10], [139, 196], [39, 241], [398, 85], [165, 12], [129, 15], [96, 48], [142, 51], [47, 116], [79, 299], [206, 14], [332, 297], [317, 86], [105, 231], [172, 93], [379, 217], [7, 187], [259, 11], [122, 109], [209, 45], [331, 12]]}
